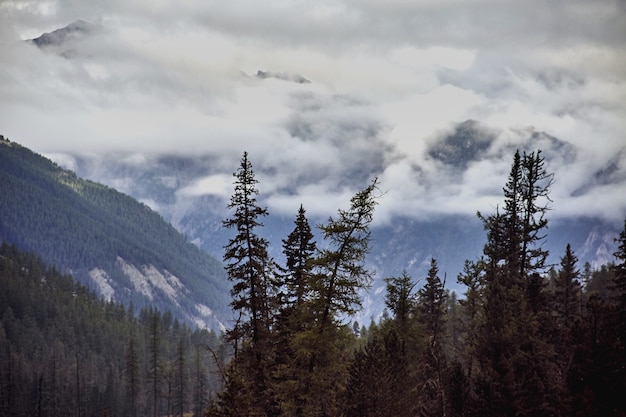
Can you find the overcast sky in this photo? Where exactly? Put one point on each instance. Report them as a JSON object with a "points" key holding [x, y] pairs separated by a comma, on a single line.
{"points": [[385, 80]]}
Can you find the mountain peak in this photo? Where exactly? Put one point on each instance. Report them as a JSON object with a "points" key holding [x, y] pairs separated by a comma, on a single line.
{"points": [[74, 31]]}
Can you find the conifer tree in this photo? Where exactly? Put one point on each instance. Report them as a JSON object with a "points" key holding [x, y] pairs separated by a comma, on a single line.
{"points": [[299, 249], [431, 305], [339, 276], [155, 359], [251, 270], [619, 271], [566, 291], [293, 317], [517, 374], [246, 257], [132, 377], [341, 272]]}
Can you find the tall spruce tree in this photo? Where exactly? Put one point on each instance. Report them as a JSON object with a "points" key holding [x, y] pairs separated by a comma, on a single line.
{"points": [[299, 249], [431, 306], [246, 258], [566, 291], [251, 270], [293, 318], [517, 373], [619, 270]]}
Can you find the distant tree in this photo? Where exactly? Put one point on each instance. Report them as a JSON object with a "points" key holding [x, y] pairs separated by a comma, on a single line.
{"points": [[299, 249], [619, 271], [200, 392], [154, 358], [181, 377], [132, 377], [566, 291], [432, 298], [431, 306], [400, 298]]}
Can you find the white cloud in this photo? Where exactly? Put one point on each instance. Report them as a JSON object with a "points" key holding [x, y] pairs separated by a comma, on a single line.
{"points": [[388, 79]]}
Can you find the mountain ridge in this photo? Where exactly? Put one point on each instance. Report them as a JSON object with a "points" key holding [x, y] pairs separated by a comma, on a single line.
{"points": [[107, 240]]}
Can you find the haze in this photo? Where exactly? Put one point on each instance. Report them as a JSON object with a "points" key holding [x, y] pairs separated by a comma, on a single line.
{"points": [[325, 95]]}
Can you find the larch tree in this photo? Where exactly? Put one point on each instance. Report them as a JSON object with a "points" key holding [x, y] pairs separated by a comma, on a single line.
{"points": [[339, 276], [341, 273]]}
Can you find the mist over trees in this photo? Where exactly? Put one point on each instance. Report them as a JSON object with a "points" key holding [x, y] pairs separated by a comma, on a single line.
{"points": [[524, 339]]}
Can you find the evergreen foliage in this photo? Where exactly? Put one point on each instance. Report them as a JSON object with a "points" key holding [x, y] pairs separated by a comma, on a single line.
{"points": [[64, 351], [78, 225], [522, 341]]}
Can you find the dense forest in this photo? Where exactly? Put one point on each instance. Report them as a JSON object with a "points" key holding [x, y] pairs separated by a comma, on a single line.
{"points": [[524, 339], [79, 225], [65, 352]]}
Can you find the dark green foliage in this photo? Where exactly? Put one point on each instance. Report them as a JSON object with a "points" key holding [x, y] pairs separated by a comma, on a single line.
{"points": [[64, 351], [80, 225], [247, 260], [521, 342]]}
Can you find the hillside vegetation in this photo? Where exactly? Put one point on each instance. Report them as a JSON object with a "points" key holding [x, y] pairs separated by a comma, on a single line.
{"points": [[96, 233], [66, 352]]}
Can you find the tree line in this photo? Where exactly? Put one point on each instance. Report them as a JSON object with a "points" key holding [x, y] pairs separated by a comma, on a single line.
{"points": [[66, 352], [78, 225], [525, 339]]}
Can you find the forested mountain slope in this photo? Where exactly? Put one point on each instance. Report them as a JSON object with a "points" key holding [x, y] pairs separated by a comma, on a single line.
{"points": [[107, 240], [64, 351]]}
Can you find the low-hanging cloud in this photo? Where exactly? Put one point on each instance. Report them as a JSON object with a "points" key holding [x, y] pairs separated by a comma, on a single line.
{"points": [[325, 96]]}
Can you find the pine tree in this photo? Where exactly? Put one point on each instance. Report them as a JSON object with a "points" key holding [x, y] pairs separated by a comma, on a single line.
{"points": [[246, 257], [299, 248], [400, 298], [180, 378], [432, 297], [251, 270], [566, 291], [155, 359], [431, 305], [517, 373], [293, 319], [619, 271], [132, 377]]}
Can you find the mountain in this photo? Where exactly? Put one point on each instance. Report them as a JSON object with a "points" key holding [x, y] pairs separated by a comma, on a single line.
{"points": [[66, 41], [110, 242], [72, 31], [402, 243]]}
